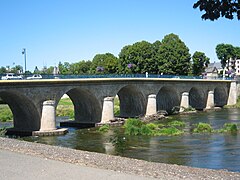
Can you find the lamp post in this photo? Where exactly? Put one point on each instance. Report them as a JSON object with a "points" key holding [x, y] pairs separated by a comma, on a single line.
{"points": [[24, 52]]}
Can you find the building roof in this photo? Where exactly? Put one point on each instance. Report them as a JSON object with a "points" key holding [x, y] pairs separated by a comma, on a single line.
{"points": [[218, 65]]}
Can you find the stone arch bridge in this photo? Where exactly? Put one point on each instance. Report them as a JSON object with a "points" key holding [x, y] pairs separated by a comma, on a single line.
{"points": [[33, 102]]}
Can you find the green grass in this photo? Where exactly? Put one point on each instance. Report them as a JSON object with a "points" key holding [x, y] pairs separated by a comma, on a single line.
{"points": [[65, 102], [65, 108], [5, 113], [116, 106]]}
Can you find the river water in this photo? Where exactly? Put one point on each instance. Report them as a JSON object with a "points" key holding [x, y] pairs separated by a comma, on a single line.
{"points": [[215, 151]]}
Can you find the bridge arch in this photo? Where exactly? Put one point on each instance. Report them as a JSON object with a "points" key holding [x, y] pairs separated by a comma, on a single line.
{"points": [[167, 99], [197, 98], [25, 114], [220, 97], [132, 101], [86, 106]]}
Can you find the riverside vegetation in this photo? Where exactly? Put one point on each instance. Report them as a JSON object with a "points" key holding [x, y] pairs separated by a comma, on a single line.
{"points": [[132, 126]]}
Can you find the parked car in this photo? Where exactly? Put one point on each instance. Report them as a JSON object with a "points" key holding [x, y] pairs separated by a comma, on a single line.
{"points": [[11, 76], [35, 76]]}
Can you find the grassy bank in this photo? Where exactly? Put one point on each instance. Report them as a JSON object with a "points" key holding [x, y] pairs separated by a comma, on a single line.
{"points": [[5, 113]]}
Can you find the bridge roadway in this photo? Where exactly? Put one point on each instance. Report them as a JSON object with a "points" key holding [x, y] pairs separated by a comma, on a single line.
{"points": [[33, 102]]}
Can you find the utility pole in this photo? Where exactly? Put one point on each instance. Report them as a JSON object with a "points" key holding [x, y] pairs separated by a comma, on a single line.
{"points": [[24, 52]]}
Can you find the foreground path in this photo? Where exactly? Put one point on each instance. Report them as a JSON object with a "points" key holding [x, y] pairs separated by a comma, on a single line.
{"points": [[30, 160], [23, 167]]}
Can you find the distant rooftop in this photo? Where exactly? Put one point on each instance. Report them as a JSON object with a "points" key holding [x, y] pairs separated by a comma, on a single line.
{"points": [[218, 65]]}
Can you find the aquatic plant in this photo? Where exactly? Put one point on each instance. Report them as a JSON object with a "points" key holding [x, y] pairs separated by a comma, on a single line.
{"points": [[176, 124], [104, 128], [228, 127], [137, 127], [170, 131], [203, 128], [133, 126]]}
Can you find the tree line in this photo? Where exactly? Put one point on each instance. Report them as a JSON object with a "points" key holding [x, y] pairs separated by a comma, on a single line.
{"points": [[170, 56]]}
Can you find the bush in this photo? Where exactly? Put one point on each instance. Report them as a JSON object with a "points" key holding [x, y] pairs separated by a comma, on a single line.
{"points": [[203, 128]]}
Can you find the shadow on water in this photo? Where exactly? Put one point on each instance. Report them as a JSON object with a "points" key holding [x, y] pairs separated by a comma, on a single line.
{"points": [[215, 151]]}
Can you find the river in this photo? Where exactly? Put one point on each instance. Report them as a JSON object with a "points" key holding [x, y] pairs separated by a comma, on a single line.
{"points": [[215, 151]]}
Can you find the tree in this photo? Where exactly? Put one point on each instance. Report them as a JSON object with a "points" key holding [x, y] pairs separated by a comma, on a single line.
{"points": [[200, 62], [225, 52], [106, 63], [218, 8], [3, 70], [137, 58], [173, 56], [17, 69], [81, 67], [64, 68]]}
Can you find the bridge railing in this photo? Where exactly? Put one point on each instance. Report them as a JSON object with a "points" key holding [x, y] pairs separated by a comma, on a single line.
{"points": [[71, 76], [130, 76]]}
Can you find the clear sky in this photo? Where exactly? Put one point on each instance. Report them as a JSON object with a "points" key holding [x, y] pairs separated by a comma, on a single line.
{"points": [[74, 30]]}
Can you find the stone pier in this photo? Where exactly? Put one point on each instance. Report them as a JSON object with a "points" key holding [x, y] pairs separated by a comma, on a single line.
{"points": [[48, 121], [151, 105], [184, 101], [108, 110], [210, 100]]}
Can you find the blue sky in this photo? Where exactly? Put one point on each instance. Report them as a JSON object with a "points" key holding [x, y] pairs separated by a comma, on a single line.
{"points": [[74, 30]]}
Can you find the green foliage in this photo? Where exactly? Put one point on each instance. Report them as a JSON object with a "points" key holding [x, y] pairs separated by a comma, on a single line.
{"points": [[65, 102], [81, 67], [65, 108], [225, 52], [138, 58], [176, 124], [173, 56], [104, 128], [3, 131], [203, 128], [170, 131], [133, 126], [229, 127], [136, 127], [200, 62], [116, 106], [108, 63], [5, 113], [218, 8]]}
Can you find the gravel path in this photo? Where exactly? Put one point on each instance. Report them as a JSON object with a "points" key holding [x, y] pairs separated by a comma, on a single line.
{"points": [[115, 163]]}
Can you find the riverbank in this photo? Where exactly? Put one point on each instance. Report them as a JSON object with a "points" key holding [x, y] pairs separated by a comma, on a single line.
{"points": [[114, 163]]}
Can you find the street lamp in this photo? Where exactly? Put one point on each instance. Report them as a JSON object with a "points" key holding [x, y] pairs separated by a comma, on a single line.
{"points": [[24, 52]]}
